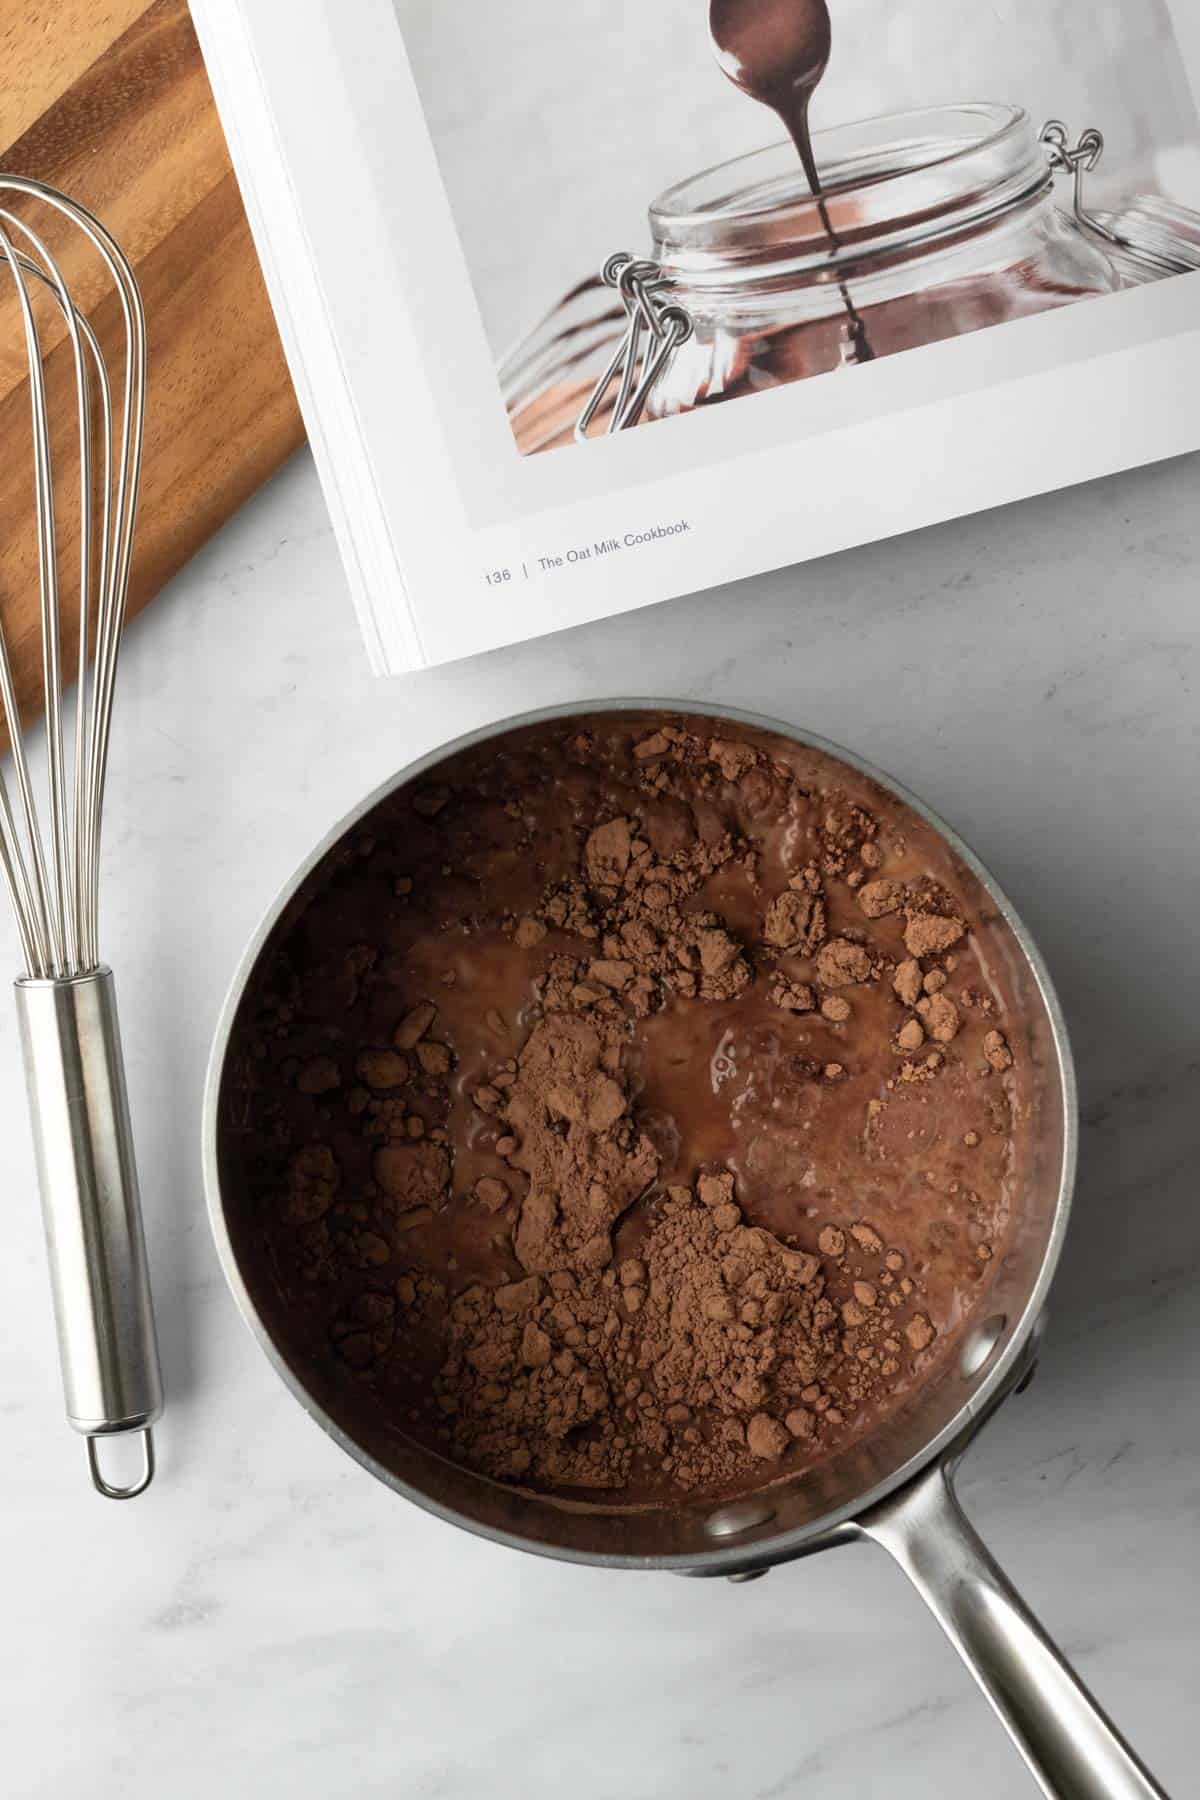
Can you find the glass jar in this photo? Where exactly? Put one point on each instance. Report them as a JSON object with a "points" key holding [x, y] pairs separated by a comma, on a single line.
{"points": [[939, 223], [931, 224]]}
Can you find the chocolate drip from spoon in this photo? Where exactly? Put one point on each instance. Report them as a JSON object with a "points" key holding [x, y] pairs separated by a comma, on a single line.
{"points": [[776, 51]]}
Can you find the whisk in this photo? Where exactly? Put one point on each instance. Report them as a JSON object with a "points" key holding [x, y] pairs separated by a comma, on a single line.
{"points": [[65, 997]]}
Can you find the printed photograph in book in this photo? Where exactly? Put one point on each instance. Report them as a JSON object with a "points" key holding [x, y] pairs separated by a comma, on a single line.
{"points": [[673, 207]]}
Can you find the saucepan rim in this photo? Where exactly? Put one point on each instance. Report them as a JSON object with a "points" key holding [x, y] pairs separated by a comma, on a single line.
{"points": [[764, 1549]]}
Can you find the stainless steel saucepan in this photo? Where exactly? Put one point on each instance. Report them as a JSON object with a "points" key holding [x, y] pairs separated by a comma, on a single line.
{"points": [[896, 1487]]}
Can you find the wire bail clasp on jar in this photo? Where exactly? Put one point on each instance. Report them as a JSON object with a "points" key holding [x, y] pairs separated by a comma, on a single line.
{"points": [[1078, 160], [652, 334]]}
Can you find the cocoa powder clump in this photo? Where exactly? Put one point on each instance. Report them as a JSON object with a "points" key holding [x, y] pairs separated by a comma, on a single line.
{"points": [[635, 904], [928, 935], [907, 981], [585, 1158], [841, 963], [940, 1016], [795, 920], [878, 898], [693, 1357]]}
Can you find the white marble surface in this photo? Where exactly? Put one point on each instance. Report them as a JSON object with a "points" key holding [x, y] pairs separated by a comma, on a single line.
{"points": [[269, 1620]]}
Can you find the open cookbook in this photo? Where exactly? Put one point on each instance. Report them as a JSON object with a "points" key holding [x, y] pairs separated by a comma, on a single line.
{"points": [[592, 305]]}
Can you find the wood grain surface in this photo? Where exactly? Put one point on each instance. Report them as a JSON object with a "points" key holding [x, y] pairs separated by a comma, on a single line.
{"points": [[108, 100]]}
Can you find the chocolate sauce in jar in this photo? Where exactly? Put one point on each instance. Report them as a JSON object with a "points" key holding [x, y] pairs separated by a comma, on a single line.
{"points": [[776, 51]]}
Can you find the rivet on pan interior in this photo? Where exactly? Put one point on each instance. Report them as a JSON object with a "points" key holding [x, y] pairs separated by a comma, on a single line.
{"points": [[981, 1345], [731, 1521]]}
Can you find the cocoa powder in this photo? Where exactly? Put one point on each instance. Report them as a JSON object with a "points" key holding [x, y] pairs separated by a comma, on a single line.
{"points": [[613, 1111], [669, 1359]]}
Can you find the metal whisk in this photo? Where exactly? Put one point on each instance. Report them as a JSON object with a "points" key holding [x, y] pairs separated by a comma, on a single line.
{"points": [[65, 998]]}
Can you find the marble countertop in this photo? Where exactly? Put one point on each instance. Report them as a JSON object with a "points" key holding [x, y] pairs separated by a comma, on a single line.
{"points": [[268, 1619]]}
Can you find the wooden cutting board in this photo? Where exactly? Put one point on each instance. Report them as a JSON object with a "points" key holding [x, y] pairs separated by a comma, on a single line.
{"points": [[108, 100]]}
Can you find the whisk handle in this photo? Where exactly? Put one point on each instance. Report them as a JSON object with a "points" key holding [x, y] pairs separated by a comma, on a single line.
{"points": [[83, 1140]]}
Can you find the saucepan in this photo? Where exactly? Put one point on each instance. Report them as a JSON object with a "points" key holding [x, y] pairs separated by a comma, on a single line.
{"points": [[894, 1487]]}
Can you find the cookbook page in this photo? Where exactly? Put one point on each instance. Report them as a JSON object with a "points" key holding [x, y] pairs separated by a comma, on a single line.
{"points": [[843, 280]]}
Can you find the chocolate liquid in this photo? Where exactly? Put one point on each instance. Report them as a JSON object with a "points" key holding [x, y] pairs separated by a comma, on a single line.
{"points": [[633, 1108], [776, 51]]}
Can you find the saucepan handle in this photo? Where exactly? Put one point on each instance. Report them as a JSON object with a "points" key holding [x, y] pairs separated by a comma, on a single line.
{"points": [[1073, 1751]]}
